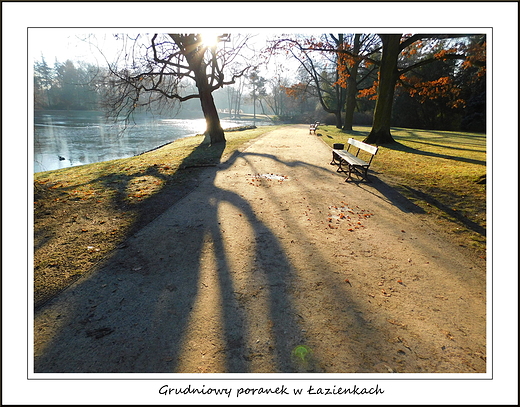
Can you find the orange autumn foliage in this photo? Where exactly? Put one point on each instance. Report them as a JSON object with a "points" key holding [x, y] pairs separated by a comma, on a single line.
{"points": [[370, 93], [295, 91], [442, 87]]}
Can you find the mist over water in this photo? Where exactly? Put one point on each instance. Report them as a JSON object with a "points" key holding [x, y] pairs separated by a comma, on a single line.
{"points": [[69, 138]]}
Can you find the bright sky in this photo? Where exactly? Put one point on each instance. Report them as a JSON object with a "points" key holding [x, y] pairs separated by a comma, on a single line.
{"points": [[77, 45], [66, 43]]}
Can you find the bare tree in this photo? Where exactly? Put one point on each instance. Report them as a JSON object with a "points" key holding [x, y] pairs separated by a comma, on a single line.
{"points": [[332, 62], [158, 69], [322, 73]]}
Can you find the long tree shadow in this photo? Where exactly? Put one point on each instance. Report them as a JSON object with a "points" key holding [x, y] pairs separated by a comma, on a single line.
{"points": [[386, 193], [136, 313], [276, 270], [131, 274], [416, 133], [448, 147], [134, 214], [391, 195], [401, 147], [446, 209], [132, 313]]}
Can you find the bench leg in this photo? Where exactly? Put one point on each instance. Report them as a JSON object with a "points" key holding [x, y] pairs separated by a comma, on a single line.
{"points": [[333, 162], [349, 175], [362, 172], [365, 177], [340, 166]]}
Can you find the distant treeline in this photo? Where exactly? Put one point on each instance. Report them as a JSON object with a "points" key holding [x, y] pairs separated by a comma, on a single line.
{"points": [[79, 86], [65, 85]]}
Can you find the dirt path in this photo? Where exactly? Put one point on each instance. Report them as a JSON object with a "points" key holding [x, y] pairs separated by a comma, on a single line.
{"points": [[275, 264]]}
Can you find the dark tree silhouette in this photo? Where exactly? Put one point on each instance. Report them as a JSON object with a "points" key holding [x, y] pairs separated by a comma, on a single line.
{"points": [[151, 71]]}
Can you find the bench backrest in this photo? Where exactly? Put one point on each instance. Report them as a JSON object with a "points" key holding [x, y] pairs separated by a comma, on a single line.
{"points": [[363, 146]]}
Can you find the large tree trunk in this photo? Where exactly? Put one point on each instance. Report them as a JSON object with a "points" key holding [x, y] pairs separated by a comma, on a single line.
{"points": [[214, 132], [337, 113], [350, 102], [190, 46], [388, 75]]}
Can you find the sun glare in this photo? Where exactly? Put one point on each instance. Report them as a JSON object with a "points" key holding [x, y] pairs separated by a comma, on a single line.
{"points": [[210, 40]]}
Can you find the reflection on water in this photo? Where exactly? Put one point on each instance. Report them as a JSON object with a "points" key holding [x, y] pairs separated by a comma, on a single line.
{"points": [[67, 138]]}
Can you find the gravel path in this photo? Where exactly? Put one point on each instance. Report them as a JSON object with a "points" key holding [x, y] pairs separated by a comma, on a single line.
{"points": [[275, 264]]}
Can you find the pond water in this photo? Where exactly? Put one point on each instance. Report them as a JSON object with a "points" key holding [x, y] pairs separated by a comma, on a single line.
{"points": [[68, 138]]}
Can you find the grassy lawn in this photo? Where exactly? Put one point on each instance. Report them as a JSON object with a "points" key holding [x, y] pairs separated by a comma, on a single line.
{"points": [[437, 170]]}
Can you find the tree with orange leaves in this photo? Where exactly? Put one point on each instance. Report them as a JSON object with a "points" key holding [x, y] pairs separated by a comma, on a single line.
{"points": [[352, 58], [331, 63], [393, 69], [397, 57]]}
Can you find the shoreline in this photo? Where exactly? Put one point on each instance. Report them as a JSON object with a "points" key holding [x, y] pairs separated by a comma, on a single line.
{"points": [[230, 129]]}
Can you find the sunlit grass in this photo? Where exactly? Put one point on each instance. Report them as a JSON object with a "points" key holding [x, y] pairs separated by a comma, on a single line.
{"points": [[437, 170]]}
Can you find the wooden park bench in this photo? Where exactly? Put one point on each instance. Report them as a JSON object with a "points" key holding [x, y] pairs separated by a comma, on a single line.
{"points": [[313, 127], [351, 163]]}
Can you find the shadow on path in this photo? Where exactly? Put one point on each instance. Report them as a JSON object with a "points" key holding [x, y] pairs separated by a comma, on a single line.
{"points": [[133, 313], [172, 291]]}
